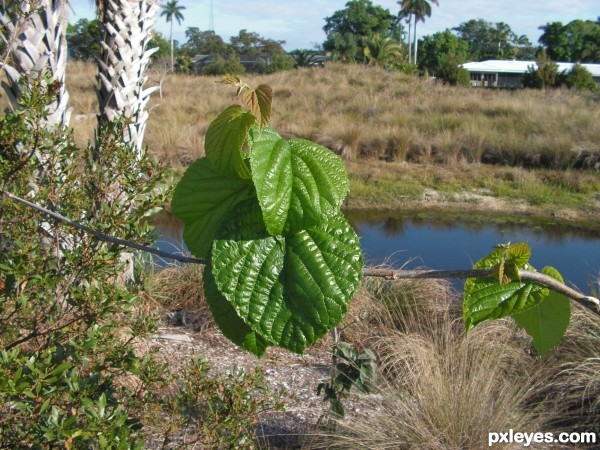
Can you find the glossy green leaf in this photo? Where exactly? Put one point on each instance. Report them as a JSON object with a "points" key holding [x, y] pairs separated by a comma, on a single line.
{"points": [[202, 199], [226, 318], [298, 183], [546, 322], [224, 140], [486, 299], [271, 162], [293, 290]]}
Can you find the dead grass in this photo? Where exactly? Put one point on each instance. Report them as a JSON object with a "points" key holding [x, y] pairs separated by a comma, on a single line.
{"points": [[366, 112]]}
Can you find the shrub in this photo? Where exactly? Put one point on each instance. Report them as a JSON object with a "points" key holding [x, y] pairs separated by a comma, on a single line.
{"points": [[66, 321], [580, 78]]}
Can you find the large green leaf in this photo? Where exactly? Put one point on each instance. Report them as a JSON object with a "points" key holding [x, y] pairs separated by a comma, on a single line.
{"points": [[227, 319], [202, 199], [224, 140], [546, 322], [289, 291], [298, 183]]}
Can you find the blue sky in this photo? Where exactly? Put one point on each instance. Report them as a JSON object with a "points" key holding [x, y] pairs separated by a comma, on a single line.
{"points": [[300, 22]]}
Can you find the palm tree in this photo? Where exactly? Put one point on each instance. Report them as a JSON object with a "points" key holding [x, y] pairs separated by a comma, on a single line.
{"points": [[419, 9], [127, 26], [406, 13], [35, 37], [381, 50], [172, 10]]}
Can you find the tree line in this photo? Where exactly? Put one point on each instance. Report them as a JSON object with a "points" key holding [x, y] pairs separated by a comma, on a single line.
{"points": [[363, 32]]}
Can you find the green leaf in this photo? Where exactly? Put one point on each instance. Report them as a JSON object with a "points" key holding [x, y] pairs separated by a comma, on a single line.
{"points": [[486, 299], [202, 199], [230, 324], [265, 133], [519, 254], [298, 183], [224, 140], [546, 322], [271, 162], [293, 290]]}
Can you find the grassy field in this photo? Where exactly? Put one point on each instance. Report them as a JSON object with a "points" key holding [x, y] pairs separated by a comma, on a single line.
{"points": [[402, 137]]}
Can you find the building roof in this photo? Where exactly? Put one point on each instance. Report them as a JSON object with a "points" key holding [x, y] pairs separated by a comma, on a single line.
{"points": [[500, 66]]}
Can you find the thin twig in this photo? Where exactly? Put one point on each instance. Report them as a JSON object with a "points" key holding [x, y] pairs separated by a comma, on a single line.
{"points": [[589, 302], [104, 237]]}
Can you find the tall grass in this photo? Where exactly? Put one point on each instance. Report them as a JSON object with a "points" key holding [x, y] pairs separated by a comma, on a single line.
{"points": [[366, 112]]}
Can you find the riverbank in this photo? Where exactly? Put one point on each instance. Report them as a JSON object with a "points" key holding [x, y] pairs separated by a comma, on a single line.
{"points": [[484, 192]]}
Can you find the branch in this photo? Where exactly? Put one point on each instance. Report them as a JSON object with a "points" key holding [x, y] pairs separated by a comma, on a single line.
{"points": [[104, 237], [586, 301], [589, 302]]}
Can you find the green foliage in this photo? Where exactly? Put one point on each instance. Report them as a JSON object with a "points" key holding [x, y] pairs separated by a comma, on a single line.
{"points": [[580, 78], [543, 315], [222, 66], [578, 41], [347, 29], [450, 71], [546, 322], [249, 43], [488, 40], [161, 44], [382, 51], [183, 64], [441, 50], [545, 74], [284, 261], [83, 39], [223, 410], [203, 43], [67, 326]]}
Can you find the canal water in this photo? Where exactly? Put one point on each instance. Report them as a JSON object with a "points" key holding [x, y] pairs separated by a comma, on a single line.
{"points": [[413, 241]]}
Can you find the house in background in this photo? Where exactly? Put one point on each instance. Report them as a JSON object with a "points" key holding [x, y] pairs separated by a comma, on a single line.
{"points": [[509, 74]]}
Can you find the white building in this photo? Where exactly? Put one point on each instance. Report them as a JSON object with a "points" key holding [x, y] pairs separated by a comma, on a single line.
{"points": [[509, 74]]}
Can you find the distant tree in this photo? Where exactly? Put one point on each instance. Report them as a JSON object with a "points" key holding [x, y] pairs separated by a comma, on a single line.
{"points": [[382, 51], [222, 66], [348, 29], [183, 64], [580, 78], [158, 41], [304, 57], [84, 38], [450, 71], [280, 63], [544, 75], [578, 41], [436, 47], [171, 10], [406, 13], [203, 43], [420, 10], [487, 40], [249, 43]]}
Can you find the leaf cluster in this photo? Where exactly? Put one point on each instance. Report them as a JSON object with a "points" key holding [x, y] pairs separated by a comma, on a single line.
{"points": [[284, 263], [352, 369], [542, 313]]}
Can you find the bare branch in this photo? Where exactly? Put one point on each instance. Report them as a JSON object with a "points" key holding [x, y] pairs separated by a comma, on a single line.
{"points": [[104, 237], [591, 303]]}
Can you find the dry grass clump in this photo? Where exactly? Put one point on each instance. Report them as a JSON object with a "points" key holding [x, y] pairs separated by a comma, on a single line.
{"points": [[367, 112], [440, 388]]}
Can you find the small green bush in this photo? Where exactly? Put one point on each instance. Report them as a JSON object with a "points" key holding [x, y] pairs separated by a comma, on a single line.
{"points": [[580, 78]]}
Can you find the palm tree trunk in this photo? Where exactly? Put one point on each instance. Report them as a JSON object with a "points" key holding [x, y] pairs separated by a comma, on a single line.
{"points": [[415, 40], [409, 30], [172, 60], [38, 44], [127, 30]]}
